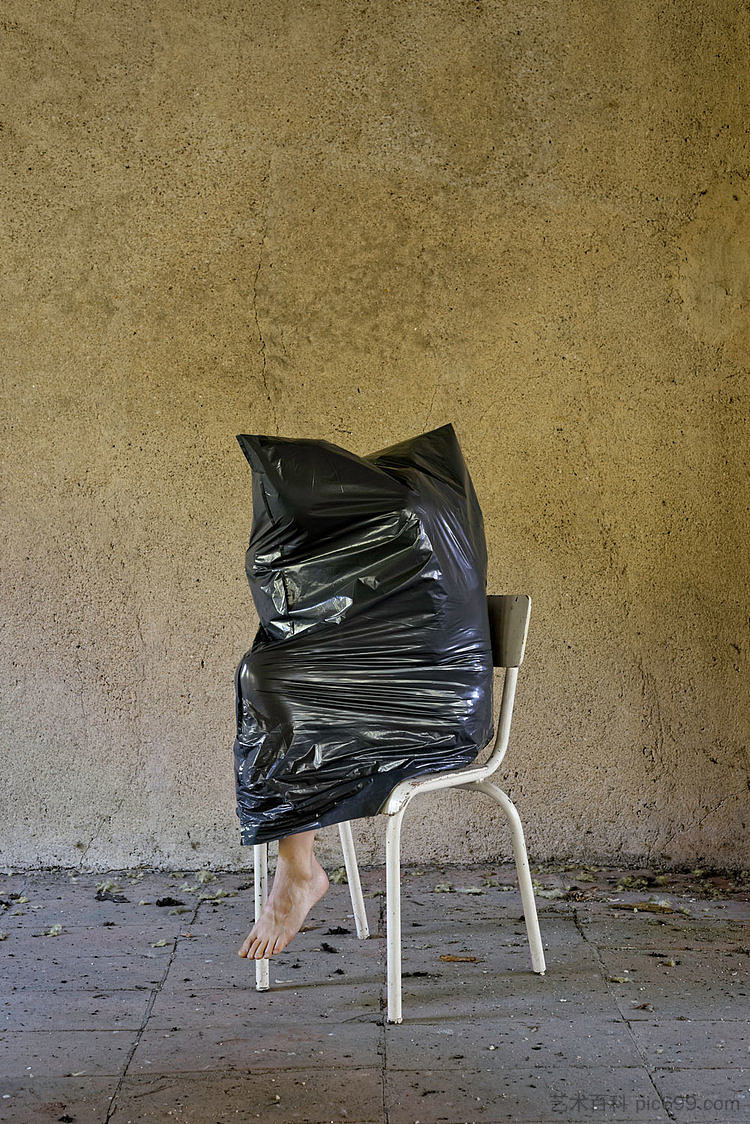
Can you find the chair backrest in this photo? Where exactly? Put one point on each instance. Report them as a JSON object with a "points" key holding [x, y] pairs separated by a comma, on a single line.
{"points": [[509, 626]]}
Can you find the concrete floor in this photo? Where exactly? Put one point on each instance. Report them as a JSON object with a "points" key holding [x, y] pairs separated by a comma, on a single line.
{"points": [[141, 1012]]}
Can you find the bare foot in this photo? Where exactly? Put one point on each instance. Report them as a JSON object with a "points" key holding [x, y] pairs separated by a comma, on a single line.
{"points": [[296, 888]]}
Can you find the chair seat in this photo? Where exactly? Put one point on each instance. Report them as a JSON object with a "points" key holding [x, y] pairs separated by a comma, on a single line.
{"points": [[455, 778]]}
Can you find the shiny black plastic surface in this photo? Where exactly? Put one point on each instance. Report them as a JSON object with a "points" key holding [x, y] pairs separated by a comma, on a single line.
{"points": [[373, 659]]}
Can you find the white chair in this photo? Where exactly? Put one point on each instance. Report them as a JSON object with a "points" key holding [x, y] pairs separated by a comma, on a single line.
{"points": [[509, 624]]}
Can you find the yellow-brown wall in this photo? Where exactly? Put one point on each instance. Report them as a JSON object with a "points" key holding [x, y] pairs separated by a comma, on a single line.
{"points": [[358, 221]]}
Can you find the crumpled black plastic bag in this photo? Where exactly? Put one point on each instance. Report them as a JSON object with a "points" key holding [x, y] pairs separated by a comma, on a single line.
{"points": [[373, 659]]}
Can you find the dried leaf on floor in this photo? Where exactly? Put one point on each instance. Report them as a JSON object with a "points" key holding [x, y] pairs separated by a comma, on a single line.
{"points": [[53, 931], [108, 884], [651, 906]]}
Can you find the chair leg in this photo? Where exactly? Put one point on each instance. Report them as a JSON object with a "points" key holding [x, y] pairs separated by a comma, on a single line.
{"points": [[393, 912], [522, 867], [260, 858], [352, 876]]}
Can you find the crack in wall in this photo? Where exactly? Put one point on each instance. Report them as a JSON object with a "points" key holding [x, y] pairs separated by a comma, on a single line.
{"points": [[264, 231], [429, 409], [699, 823], [652, 713], [139, 765], [106, 818]]}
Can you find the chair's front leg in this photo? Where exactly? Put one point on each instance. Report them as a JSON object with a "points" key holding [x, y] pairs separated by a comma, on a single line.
{"points": [[352, 876], [524, 873], [393, 912], [260, 859]]}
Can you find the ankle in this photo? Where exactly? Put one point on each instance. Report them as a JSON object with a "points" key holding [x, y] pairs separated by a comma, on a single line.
{"points": [[301, 868]]}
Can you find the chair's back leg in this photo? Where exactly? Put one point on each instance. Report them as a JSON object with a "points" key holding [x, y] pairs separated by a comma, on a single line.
{"points": [[522, 867], [260, 860], [352, 876], [393, 912]]}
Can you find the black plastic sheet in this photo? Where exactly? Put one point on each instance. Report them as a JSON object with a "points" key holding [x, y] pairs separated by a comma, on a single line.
{"points": [[373, 660]]}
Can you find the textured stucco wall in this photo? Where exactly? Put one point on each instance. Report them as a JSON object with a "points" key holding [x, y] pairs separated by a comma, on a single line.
{"points": [[357, 222]]}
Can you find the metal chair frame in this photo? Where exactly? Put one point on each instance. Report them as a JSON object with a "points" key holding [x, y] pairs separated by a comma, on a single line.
{"points": [[509, 624]]}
